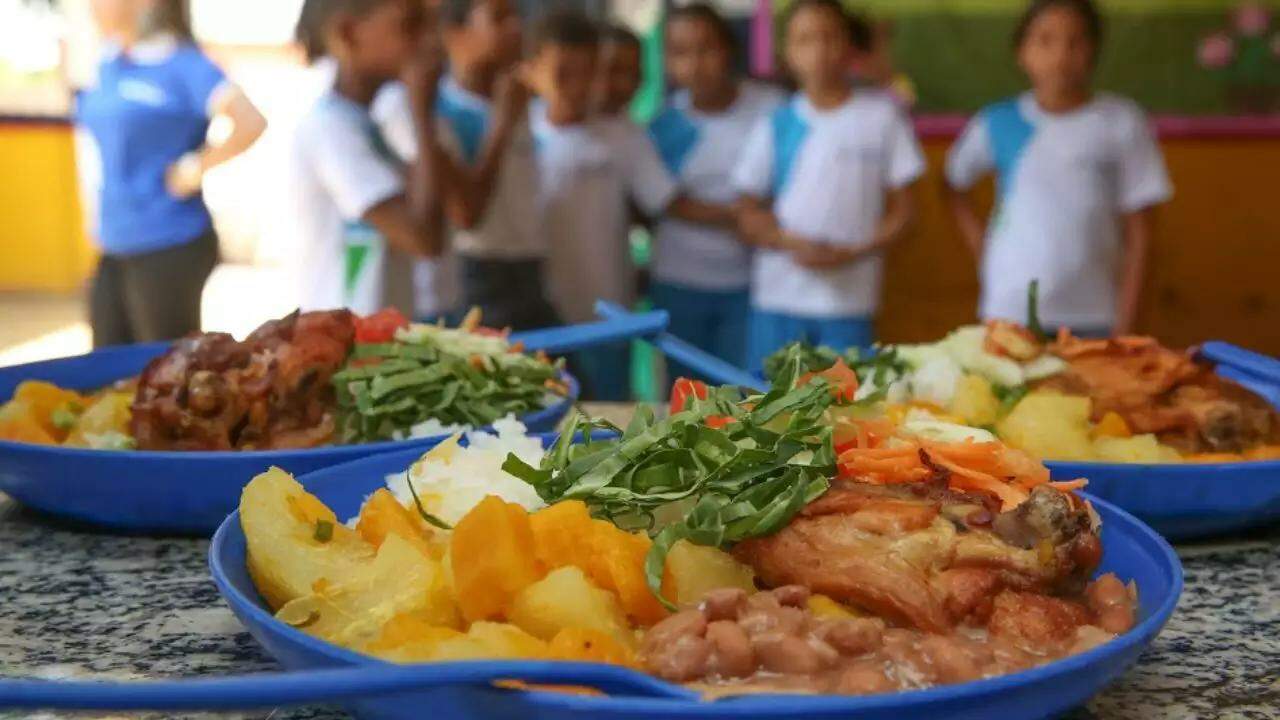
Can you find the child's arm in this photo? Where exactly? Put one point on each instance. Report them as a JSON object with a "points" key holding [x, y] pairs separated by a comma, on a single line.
{"points": [[470, 188], [1138, 229], [972, 227], [704, 213], [899, 212], [412, 222], [969, 160]]}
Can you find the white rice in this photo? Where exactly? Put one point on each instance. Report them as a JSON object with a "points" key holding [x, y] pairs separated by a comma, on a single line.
{"points": [[452, 479]]}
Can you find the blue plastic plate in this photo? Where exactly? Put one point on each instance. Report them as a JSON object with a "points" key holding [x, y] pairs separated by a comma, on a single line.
{"points": [[1186, 501], [1132, 550], [186, 493]]}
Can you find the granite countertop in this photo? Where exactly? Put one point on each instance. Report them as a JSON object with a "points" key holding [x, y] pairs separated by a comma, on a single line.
{"points": [[75, 603]]}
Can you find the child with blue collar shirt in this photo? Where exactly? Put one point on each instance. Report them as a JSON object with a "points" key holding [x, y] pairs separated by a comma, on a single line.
{"points": [[1079, 174], [826, 185]]}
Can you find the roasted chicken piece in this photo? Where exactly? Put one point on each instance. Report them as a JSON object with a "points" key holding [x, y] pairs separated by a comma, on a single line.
{"points": [[925, 556], [1165, 392], [272, 391]]}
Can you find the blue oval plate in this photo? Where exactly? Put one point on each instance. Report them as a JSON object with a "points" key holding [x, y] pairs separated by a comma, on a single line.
{"points": [[1132, 551], [1186, 501], [186, 493]]}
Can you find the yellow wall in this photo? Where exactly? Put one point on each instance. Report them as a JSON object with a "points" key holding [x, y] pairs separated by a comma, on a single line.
{"points": [[42, 242], [1215, 271]]}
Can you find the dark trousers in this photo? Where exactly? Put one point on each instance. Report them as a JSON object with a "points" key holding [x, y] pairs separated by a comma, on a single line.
{"points": [[509, 293], [152, 296]]}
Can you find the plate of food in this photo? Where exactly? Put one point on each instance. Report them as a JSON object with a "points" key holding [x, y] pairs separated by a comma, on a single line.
{"points": [[737, 551], [1166, 434], [162, 438]]}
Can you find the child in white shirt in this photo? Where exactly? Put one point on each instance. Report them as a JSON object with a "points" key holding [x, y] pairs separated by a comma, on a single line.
{"points": [[590, 169], [361, 216], [702, 269], [1078, 175], [826, 189]]}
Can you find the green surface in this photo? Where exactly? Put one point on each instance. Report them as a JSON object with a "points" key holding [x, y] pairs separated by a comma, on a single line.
{"points": [[959, 54]]}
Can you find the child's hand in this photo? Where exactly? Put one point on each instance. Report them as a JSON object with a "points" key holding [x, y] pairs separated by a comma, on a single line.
{"points": [[758, 226], [423, 73], [510, 98], [184, 178], [823, 256]]}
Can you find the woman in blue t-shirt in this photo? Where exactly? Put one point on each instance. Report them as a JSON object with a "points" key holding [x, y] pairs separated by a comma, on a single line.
{"points": [[149, 115]]}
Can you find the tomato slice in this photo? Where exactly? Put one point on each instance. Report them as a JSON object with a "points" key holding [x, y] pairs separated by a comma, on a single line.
{"points": [[841, 377], [683, 390], [380, 327]]}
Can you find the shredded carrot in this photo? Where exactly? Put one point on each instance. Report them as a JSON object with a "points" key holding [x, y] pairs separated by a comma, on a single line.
{"points": [[1070, 485]]}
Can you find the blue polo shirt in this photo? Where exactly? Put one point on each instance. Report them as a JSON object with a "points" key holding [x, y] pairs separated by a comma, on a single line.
{"points": [[149, 108]]}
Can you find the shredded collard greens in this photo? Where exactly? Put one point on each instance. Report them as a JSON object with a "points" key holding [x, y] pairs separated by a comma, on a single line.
{"points": [[681, 479], [879, 368], [386, 389]]}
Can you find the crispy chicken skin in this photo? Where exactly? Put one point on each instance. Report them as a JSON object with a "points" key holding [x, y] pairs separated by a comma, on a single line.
{"points": [[1165, 392], [927, 557], [272, 391]]}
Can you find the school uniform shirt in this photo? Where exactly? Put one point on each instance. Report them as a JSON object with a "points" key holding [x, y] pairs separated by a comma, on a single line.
{"points": [[341, 167], [435, 280], [1064, 180], [150, 106], [701, 150], [588, 174], [828, 172]]}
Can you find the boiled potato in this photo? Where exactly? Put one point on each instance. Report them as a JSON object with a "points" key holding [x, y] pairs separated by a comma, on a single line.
{"points": [[399, 581], [286, 560], [492, 551], [1136, 449], [565, 598], [104, 421], [484, 641], [697, 570], [1050, 427], [582, 645], [383, 515], [975, 402]]}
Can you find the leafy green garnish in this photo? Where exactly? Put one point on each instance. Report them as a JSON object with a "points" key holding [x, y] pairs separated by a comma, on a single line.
{"points": [[422, 511], [679, 479], [65, 416], [1009, 397], [880, 367], [386, 389], [1033, 312], [324, 531]]}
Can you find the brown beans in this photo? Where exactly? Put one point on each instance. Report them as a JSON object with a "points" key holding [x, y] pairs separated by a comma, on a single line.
{"points": [[795, 596], [787, 654], [854, 636], [1111, 603], [866, 677], [947, 660], [690, 623], [760, 621], [731, 652], [724, 604], [682, 660]]}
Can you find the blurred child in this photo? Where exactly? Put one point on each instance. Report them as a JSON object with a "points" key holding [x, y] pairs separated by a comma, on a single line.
{"points": [[826, 189], [590, 168], [491, 199], [701, 268], [620, 73], [361, 216], [1078, 175]]}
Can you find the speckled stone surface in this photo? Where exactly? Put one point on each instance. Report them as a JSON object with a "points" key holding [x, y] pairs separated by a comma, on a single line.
{"points": [[75, 603]]}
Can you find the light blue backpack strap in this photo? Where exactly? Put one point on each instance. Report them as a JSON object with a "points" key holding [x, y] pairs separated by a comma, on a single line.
{"points": [[1009, 132], [789, 133], [675, 136]]}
